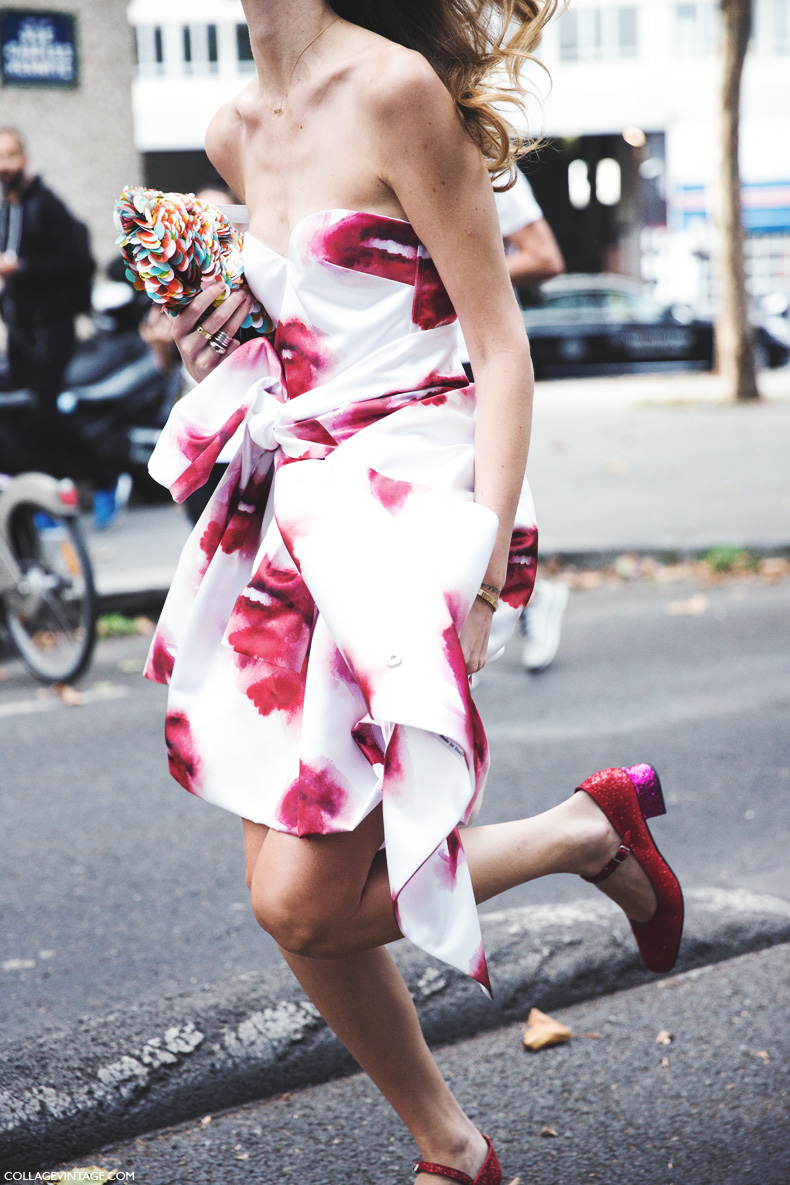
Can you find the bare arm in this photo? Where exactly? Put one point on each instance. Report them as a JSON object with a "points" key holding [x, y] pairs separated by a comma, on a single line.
{"points": [[438, 176], [533, 254], [222, 146]]}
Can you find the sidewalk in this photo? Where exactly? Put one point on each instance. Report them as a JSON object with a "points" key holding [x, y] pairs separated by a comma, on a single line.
{"points": [[709, 1107], [651, 463]]}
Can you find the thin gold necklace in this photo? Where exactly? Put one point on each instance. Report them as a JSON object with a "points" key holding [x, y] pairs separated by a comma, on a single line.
{"points": [[279, 110]]}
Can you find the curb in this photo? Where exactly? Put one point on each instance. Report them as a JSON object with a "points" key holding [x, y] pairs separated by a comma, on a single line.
{"points": [[605, 557], [101, 1081], [138, 594]]}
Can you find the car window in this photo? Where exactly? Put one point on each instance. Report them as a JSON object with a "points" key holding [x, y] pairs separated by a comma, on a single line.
{"points": [[584, 299], [632, 306]]}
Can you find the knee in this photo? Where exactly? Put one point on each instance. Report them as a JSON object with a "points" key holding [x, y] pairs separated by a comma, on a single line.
{"points": [[299, 927]]}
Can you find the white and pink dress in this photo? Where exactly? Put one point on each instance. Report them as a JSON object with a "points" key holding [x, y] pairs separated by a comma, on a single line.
{"points": [[310, 638]]}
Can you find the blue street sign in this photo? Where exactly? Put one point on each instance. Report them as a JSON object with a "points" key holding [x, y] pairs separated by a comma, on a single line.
{"points": [[38, 48]]}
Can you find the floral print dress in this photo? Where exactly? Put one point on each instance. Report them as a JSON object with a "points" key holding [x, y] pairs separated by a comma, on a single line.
{"points": [[310, 638]]}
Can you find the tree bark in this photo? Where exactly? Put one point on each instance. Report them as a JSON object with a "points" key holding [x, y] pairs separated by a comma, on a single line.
{"points": [[734, 334]]}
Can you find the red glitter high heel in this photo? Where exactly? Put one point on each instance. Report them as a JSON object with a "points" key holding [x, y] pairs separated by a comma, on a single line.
{"points": [[490, 1173], [628, 797]]}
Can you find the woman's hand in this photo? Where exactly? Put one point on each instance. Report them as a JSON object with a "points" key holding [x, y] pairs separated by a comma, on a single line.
{"points": [[199, 358], [474, 635]]}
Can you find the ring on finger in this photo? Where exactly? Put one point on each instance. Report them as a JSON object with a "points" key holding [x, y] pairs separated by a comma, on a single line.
{"points": [[222, 339], [204, 333]]}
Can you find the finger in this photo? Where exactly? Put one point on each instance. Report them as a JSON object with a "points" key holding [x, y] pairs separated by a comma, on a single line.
{"points": [[220, 317], [186, 320], [239, 317]]}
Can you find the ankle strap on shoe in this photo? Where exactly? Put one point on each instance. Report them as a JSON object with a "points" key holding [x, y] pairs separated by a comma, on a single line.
{"points": [[622, 852], [441, 1170]]}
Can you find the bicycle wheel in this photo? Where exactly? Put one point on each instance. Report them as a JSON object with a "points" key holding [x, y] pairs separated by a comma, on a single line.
{"points": [[51, 615]]}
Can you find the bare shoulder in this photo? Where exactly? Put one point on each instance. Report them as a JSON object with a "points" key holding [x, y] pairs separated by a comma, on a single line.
{"points": [[223, 140], [404, 85]]}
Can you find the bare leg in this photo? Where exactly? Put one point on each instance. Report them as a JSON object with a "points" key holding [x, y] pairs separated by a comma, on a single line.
{"points": [[367, 1005], [357, 988], [573, 837]]}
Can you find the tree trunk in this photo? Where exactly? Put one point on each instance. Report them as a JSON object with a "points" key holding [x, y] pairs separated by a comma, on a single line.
{"points": [[734, 334]]}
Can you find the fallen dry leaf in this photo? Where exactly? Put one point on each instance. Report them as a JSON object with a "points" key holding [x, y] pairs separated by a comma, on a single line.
{"points": [[665, 1063], [774, 567], [664, 1037], [694, 607], [242, 1156], [547, 1131], [206, 1119], [542, 1030], [70, 696], [761, 1053]]}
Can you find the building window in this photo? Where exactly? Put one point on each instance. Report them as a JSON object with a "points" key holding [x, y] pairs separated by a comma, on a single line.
{"points": [[579, 188], [593, 34], [212, 44], [150, 51], [187, 37], [607, 181], [773, 26], [244, 48], [695, 29], [569, 37], [626, 32]]}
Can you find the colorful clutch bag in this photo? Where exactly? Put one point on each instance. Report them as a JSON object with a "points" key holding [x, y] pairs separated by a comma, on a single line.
{"points": [[175, 244]]}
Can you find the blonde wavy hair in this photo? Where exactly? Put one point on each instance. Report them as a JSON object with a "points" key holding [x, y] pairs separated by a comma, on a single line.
{"points": [[477, 47]]}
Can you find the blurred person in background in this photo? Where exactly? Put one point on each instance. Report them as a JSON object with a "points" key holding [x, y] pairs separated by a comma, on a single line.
{"points": [[533, 255], [46, 271]]}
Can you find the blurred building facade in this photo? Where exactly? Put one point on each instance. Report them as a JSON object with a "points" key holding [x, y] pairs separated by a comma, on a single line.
{"points": [[626, 179], [632, 119], [65, 84], [192, 55]]}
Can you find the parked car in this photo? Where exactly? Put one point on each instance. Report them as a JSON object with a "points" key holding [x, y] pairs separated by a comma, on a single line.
{"points": [[587, 325]]}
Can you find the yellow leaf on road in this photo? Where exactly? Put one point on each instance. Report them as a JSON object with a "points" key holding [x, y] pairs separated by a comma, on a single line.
{"points": [[543, 1030]]}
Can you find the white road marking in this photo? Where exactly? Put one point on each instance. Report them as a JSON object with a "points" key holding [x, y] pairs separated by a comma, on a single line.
{"points": [[53, 702]]}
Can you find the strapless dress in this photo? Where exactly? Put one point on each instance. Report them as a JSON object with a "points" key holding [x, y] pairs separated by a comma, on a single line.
{"points": [[310, 637]]}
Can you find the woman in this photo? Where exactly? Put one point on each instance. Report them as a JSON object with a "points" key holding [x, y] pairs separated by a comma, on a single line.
{"points": [[344, 581]]}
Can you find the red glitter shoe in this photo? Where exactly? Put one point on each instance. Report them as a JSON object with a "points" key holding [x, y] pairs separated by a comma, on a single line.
{"points": [[490, 1173], [628, 797]]}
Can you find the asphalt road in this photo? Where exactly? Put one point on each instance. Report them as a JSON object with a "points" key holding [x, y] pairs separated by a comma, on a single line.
{"points": [[117, 886], [711, 1107]]}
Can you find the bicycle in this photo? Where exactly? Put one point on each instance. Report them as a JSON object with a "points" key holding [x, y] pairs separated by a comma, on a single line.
{"points": [[47, 594]]}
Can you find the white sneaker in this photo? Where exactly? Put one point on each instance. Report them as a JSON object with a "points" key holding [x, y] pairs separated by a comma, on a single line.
{"points": [[542, 620]]}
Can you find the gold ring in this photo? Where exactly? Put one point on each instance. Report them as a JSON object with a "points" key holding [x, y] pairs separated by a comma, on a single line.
{"points": [[204, 332]]}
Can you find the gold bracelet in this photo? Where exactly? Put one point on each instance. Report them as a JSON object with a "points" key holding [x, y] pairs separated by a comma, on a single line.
{"points": [[486, 596]]}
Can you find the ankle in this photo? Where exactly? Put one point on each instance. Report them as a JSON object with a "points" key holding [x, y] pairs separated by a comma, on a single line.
{"points": [[463, 1149], [594, 838]]}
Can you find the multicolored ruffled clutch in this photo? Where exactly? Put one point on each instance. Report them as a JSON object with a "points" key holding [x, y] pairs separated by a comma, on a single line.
{"points": [[175, 244]]}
